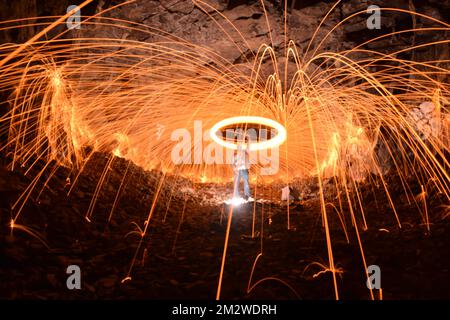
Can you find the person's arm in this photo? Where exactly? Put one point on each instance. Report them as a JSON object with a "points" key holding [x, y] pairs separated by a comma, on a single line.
{"points": [[247, 152]]}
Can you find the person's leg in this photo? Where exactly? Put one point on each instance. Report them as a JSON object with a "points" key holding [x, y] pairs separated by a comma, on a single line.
{"points": [[246, 186], [236, 184]]}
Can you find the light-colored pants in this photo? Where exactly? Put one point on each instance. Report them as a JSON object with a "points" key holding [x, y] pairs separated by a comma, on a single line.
{"points": [[237, 179]]}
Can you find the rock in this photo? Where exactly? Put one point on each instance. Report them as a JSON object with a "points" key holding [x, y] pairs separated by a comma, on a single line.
{"points": [[427, 108], [53, 280], [244, 12], [109, 282], [426, 120], [88, 287], [181, 6]]}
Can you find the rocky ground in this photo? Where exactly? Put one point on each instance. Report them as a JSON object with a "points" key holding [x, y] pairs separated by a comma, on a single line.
{"points": [[181, 254]]}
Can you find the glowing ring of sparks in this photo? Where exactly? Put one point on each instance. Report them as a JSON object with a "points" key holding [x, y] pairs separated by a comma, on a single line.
{"points": [[268, 144]]}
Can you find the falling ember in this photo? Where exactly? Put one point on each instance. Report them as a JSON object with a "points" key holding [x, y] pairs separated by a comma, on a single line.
{"points": [[362, 124]]}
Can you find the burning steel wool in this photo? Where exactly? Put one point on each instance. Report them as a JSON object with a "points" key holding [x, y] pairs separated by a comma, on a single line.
{"points": [[349, 117]]}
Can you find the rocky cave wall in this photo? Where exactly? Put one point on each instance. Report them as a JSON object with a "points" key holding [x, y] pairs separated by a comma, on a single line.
{"points": [[184, 19]]}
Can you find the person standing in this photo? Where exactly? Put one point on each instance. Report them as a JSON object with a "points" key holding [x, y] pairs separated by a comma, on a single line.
{"points": [[241, 167]]}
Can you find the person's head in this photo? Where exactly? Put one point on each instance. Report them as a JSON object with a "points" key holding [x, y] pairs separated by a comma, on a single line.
{"points": [[244, 138]]}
